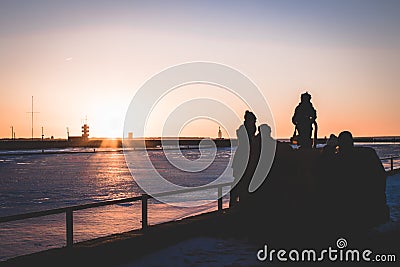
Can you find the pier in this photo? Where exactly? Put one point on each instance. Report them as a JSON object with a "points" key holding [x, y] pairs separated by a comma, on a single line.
{"points": [[21, 144], [135, 243]]}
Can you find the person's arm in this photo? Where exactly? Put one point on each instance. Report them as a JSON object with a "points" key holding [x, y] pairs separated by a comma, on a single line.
{"points": [[313, 114], [295, 116]]}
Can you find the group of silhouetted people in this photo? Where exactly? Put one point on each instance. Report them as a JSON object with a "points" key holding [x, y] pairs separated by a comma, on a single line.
{"points": [[338, 187], [352, 183]]}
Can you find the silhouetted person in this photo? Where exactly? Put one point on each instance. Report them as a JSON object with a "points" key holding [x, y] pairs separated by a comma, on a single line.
{"points": [[304, 117], [331, 145], [263, 155], [327, 183], [270, 201], [346, 142], [243, 161], [361, 195], [239, 164], [264, 145], [304, 186]]}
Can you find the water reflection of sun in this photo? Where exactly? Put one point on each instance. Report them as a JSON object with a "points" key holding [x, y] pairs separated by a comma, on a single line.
{"points": [[110, 176]]}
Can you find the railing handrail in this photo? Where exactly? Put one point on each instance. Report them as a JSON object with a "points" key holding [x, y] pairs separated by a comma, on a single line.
{"points": [[42, 213], [391, 157], [188, 190], [35, 214]]}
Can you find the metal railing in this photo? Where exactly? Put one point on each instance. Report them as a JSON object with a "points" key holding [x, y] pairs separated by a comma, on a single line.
{"points": [[69, 211], [391, 158]]}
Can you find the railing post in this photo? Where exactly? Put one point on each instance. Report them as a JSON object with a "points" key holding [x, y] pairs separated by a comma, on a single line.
{"points": [[70, 227], [220, 198], [144, 211], [391, 163]]}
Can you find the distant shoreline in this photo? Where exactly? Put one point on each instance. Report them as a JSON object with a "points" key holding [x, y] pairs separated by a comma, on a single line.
{"points": [[19, 144]]}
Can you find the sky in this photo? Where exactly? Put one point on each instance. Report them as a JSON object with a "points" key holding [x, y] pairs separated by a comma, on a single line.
{"points": [[87, 59]]}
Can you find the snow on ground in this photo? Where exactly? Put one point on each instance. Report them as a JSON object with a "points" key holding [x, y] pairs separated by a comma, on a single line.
{"points": [[202, 251]]}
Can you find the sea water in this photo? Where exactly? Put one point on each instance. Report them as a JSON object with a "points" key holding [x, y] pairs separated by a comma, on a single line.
{"points": [[34, 181]]}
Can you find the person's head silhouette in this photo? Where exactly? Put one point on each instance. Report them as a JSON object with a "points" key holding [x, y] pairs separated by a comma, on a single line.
{"points": [[249, 116], [305, 97], [332, 141], [265, 130], [345, 141], [250, 122]]}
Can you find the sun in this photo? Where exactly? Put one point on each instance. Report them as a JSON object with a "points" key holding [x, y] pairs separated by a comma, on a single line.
{"points": [[107, 121]]}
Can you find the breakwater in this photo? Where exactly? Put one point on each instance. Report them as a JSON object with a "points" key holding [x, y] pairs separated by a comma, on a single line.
{"points": [[20, 144]]}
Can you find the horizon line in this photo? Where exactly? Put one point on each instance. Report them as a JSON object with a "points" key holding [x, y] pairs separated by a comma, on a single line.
{"points": [[182, 137]]}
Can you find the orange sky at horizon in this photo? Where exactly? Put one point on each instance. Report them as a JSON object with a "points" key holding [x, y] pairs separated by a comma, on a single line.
{"points": [[93, 65]]}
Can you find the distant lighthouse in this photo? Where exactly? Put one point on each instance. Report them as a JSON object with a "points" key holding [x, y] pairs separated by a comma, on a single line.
{"points": [[85, 132], [219, 132]]}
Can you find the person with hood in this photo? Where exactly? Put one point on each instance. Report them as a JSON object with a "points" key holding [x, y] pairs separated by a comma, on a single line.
{"points": [[304, 117]]}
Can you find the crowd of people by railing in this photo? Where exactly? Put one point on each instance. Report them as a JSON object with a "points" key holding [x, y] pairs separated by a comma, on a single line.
{"points": [[337, 187]]}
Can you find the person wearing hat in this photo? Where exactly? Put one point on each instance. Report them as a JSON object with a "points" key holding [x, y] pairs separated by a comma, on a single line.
{"points": [[304, 117]]}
